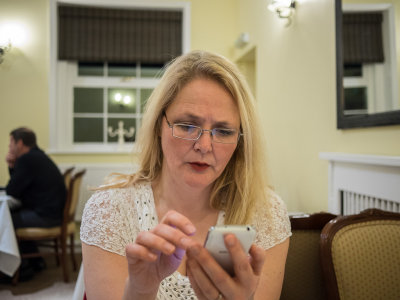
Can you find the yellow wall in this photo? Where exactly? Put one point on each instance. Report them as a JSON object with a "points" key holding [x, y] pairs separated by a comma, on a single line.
{"points": [[296, 94], [24, 97], [23, 75], [295, 88]]}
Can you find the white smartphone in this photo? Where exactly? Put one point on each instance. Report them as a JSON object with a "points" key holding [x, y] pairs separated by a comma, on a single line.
{"points": [[216, 246]]}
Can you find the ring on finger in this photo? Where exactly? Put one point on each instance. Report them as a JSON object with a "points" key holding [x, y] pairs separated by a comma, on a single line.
{"points": [[219, 297]]}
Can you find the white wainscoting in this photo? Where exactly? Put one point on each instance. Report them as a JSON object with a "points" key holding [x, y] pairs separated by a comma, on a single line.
{"points": [[94, 176], [370, 176]]}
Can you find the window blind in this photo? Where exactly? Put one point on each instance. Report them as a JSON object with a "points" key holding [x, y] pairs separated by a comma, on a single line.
{"points": [[97, 34], [362, 38]]}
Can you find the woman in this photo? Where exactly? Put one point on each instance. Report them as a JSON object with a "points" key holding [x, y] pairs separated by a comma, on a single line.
{"points": [[202, 164]]}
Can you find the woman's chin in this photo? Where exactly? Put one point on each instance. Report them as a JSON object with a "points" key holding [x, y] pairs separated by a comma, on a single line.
{"points": [[198, 182]]}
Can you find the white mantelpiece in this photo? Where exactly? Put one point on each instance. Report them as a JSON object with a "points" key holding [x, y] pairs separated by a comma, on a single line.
{"points": [[372, 175]]}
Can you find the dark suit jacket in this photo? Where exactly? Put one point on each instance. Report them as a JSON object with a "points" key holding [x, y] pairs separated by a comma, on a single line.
{"points": [[38, 183]]}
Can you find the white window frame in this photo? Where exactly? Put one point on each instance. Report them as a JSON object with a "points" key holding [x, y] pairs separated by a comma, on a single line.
{"points": [[62, 75], [379, 78], [367, 80]]}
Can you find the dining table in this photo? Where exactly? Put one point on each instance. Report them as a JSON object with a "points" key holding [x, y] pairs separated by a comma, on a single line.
{"points": [[10, 258]]}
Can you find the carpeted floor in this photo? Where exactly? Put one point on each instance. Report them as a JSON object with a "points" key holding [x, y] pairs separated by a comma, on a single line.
{"points": [[45, 285], [58, 291]]}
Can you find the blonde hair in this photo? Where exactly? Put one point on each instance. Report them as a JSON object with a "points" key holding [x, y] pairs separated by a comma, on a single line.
{"points": [[242, 185]]}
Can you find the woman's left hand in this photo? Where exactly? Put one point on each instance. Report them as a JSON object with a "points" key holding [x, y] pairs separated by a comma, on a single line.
{"points": [[211, 282]]}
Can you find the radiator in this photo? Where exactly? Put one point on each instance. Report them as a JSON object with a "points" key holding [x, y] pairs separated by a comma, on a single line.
{"points": [[353, 203], [357, 182]]}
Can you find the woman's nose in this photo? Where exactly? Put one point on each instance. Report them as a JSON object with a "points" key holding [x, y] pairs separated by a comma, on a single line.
{"points": [[204, 143]]}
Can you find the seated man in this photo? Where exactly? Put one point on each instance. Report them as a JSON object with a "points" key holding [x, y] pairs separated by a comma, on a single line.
{"points": [[37, 182]]}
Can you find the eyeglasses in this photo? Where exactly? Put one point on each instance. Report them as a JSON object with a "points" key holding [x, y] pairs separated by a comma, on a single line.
{"points": [[193, 133]]}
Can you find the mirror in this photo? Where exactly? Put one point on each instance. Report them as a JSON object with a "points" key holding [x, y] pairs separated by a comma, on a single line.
{"points": [[367, 113]]}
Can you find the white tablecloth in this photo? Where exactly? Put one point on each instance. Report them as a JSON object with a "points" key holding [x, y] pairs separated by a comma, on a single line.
{"points": [[9, 253], [79, 290]]}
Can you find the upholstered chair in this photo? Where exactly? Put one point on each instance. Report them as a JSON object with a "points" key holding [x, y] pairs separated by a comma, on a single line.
{"points": [[303, 273], [57, 235], [361, 256]]}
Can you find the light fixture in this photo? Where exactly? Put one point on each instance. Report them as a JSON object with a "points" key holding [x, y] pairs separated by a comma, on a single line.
{"points": [[127, 99], [284, 8], [13, 35], [117, 97], [123, 98], [4, 50]]}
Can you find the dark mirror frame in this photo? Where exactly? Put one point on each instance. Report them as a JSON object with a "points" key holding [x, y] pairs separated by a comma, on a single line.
{"points": [[368, 120]]}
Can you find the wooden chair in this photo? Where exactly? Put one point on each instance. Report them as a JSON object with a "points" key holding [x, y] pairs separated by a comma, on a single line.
{"points": [[361, 256], [58, 234], [303, 273], [67, 177]]}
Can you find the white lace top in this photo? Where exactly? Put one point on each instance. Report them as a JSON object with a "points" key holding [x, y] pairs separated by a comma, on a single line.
{"points": [[113, 218]]}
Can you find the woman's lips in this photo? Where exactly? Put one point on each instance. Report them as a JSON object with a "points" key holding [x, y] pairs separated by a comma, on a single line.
{"points": [[197, 166]]}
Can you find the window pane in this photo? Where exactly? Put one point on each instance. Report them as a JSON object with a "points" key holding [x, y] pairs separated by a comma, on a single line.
{"points": [[153, 70], [355, 98], [88, 130], [353, 70], [90, 69], [88, 100], [122, 70], [121, 100], [128, 123], [144, 95]]}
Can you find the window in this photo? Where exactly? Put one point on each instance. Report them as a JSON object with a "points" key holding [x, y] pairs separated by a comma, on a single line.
{"points": [[92, 100], [358, 88], [105, 94]]}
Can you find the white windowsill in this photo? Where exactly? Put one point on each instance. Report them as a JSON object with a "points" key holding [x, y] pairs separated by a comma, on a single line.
{"points": [[87, 150]]}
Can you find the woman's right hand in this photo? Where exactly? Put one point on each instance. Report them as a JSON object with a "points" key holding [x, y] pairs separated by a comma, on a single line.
{"points": [[157, 253]]}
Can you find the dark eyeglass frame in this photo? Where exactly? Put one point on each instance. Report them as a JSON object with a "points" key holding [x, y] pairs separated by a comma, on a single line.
{"points": [[211, 131]]}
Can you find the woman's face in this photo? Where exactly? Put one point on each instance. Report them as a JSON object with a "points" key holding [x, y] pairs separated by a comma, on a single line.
{"points": [[206, 104]]}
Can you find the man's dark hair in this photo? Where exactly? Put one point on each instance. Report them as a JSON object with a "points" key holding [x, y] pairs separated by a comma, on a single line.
{"points": [[27, 136]]}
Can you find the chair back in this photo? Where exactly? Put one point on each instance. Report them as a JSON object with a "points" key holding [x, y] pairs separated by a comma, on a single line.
{"points": [[73, 196], [303, 272], [67, 177], [361, 256]]}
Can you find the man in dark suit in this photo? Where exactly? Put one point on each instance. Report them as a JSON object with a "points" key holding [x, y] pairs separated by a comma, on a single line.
{"points": [[36, 181]]}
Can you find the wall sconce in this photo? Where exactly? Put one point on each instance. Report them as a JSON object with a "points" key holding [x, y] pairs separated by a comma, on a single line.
{"points": [[4, 50], [14, 35], [284, 8]]}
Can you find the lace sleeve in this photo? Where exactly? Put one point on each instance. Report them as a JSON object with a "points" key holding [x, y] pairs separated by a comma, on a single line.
{"points": [[272, 226], [108, 220]]}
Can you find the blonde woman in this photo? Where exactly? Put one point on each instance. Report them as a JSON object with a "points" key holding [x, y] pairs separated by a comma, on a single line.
{"points": [[202, 164]]}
